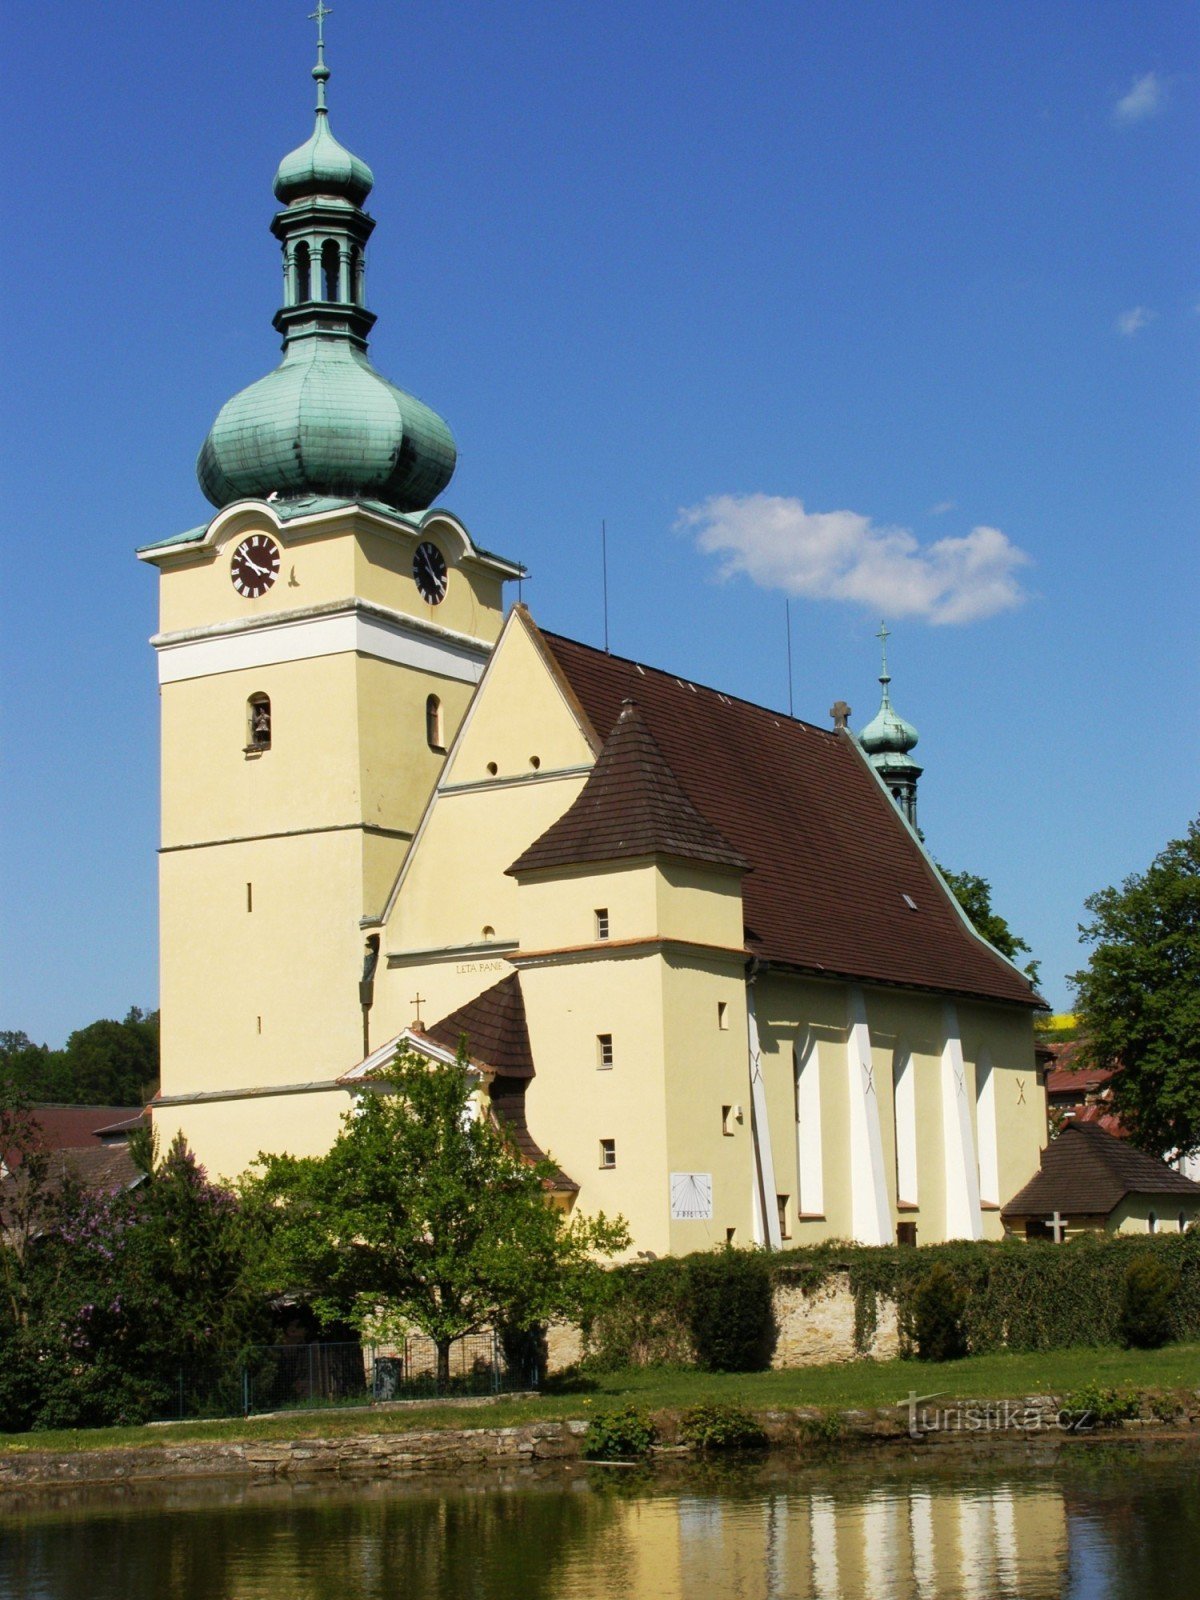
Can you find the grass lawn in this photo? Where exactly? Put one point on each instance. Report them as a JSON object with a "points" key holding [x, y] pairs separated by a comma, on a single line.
{"points": [[842, 1387]]}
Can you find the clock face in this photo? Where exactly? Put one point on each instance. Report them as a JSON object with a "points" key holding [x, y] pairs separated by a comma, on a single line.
{"points": [[429, 573], [255, 565]]}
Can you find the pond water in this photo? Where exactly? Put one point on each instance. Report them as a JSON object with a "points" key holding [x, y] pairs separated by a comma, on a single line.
{"points": [[1100, 1524]]}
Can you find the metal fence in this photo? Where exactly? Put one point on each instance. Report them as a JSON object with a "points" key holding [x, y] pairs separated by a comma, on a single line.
{"points": [[290, 1377]]}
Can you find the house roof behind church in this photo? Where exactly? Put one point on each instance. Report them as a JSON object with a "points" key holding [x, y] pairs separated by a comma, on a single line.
{"points": [[1086, 1172], [495, 1029], [833, 866], [631, 805]]}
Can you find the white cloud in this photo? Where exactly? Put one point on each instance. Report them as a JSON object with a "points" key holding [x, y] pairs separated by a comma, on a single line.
{"points": [[1145, 99], [1134, 320], [841, 555], [942, 507]]}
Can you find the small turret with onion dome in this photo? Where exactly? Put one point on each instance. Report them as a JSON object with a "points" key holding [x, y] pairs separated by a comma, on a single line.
{"points": [[887, 740], [325, 422]]}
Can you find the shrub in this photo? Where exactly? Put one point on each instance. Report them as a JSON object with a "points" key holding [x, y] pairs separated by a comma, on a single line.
{"points": [[720, 1427], [729, 1309], [618, 1435], [939, 1307], [822, 1431], [1148, 1304], [1097, 1407]]}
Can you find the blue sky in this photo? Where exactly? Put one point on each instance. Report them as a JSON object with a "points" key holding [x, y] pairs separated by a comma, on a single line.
{"points": [[891, 308]]}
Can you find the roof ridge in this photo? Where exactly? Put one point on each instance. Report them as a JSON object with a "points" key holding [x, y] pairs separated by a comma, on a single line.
{"points": [[693, 683]]}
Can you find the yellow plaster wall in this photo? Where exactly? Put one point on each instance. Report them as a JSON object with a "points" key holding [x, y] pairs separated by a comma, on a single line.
{"points": [[519, 715], [383, 572], [573, 1103], [397, 767], [227, 1135], [294, 961], [560, 910], [699, 903], [1133, 1213], [1007, 1035], [706, 1068], [309, 778]]}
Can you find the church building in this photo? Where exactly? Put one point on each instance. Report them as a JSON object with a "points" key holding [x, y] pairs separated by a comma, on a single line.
{"points": [[696, 948]]}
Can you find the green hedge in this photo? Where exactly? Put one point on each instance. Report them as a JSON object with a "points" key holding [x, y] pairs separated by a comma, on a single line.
{"points": [[1019, 1295]]}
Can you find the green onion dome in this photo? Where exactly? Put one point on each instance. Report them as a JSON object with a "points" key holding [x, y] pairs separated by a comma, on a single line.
{"points": [[887, 733], [325, 422], [323, 166]]}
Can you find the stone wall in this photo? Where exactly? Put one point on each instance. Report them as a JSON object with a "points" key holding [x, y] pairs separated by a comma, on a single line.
{"points": [[374, 1455], [817, 1326]]}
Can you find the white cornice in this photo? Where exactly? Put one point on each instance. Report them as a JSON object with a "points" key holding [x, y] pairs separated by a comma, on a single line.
{"points": [[332, 628]]}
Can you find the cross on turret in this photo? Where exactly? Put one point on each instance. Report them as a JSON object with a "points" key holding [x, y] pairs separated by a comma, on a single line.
{"points": [[318, 16]]}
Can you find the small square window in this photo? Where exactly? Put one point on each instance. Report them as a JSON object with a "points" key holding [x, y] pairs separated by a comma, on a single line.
{"points": [[601, 922], [906, 1233], [727, 1121], [785, 1227], [604, 1051], [608, 1152], [730, 1235], [722, 1014]]}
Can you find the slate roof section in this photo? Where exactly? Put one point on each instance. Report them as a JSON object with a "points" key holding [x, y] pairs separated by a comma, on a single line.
{"points": [[831, 858], [631, 805], [495, 1029], [497, 1037], [508, 1103], [1087, 1172]]}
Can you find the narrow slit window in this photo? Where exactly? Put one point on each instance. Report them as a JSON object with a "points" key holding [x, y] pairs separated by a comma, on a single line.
{"points": [[303, 273], [249, 897], [258, 722], [730, 1235], [608, 1153], [785, 1226], [1152, 1222], [604, 1050], [727, 1122], [723, 1015], [602, 922], [433, 723]]}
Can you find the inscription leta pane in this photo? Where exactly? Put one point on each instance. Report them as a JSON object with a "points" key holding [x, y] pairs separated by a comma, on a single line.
{"points": [[691, 1197]]}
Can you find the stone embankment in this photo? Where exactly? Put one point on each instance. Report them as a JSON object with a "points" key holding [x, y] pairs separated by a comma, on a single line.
{"points": [[1036, 1419]]}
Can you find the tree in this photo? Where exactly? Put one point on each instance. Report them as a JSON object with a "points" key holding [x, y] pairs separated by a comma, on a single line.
{"points": [[974, 895], [104, 1063], [1138, 999], [422, 1214]]}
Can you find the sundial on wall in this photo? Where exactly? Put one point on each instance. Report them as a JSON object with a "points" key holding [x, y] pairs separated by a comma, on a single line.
{"points": [[691, 1197]]}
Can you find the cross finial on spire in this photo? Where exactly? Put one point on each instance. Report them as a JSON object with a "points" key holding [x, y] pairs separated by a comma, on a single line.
{"points": [[883, 636], [318, 16], [320, 71]]}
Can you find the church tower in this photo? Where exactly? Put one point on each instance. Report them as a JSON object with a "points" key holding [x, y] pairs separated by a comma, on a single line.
{"points": [[319, 639], [887, 739]]}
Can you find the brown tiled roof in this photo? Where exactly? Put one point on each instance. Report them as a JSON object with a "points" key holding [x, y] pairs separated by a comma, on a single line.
{"points": [[103, 1170], [494, 1026], [1086, 1172], [66, 1127], [631, 805], [508, 1103], [831, 859]]}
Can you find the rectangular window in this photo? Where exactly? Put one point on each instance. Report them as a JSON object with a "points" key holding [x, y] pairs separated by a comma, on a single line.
{"points": [[608, 1152], [906, 1233], [785, 1227], [727, 1121], [249, 897], [730, 1235], [722, 1014], [602, 922], [604, 1051]]}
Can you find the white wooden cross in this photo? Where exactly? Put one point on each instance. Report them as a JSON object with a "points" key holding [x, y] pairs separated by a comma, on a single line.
{"points": [[1058, 1227]]}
